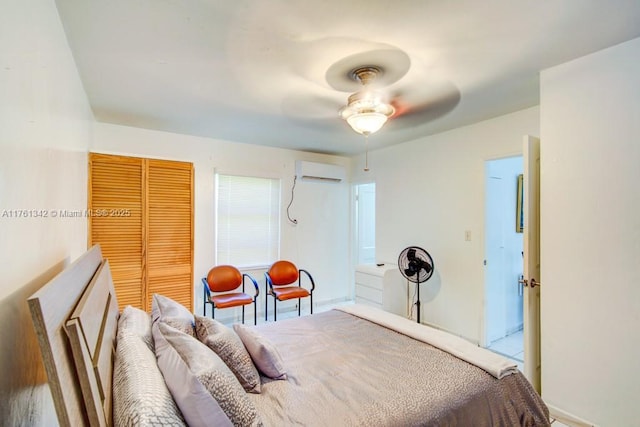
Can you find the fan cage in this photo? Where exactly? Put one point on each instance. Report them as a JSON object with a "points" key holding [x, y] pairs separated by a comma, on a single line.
{"points": [[405, 263]]}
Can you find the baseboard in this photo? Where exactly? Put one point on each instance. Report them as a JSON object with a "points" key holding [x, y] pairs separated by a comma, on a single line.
{"points": [[568, 419], [333, 301]]}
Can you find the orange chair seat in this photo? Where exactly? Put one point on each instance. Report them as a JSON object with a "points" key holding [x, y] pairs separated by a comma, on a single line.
{"points": [[231, 300], [290, 292]]}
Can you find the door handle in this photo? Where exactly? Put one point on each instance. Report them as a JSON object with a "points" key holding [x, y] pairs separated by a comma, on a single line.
{"points": [[520, 286], [533, 282]]}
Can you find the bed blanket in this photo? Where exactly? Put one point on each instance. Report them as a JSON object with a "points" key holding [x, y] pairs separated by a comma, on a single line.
{"points": [[494, 364], [344, 370]]}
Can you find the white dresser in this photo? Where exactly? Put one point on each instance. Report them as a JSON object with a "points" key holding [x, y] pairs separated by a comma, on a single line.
{"points": [[382, 287]]}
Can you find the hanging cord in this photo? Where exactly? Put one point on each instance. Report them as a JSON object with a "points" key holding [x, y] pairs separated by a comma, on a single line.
{"points": [[292, 220], [366, 153]]}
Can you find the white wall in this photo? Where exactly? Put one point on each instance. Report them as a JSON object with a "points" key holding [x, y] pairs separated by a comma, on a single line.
{"points": [[590, 297], [319, 242], [428, 193], [45, 125]]}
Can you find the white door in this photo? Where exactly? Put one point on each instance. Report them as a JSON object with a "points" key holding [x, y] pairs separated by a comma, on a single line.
{"points": [[531, 236]]}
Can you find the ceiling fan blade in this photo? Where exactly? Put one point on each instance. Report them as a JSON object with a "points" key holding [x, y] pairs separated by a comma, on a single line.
{"points": [[423, 104], [309, 108]]}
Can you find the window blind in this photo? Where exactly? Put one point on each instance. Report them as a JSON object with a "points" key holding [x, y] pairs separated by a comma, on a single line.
{"points": [[247, 221]]}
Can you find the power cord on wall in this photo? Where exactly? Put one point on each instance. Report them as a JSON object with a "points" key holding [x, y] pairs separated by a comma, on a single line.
{"points": [[292, 220]]}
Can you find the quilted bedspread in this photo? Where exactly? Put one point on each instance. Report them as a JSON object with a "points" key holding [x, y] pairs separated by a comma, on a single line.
{"points": [[344, 370]]}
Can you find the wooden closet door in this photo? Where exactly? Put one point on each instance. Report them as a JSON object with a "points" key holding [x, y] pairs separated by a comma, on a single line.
{"points": [[115, 219], [141, 213], [170, 230]]}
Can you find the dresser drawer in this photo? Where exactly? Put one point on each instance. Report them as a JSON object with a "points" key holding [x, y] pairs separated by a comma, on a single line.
{"points": [[381, 286], [368, 280], [368, 293]]}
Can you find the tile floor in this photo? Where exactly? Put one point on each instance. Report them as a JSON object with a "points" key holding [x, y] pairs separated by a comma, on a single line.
{"points": [[305, 310], [282, 313], [510, 346]]}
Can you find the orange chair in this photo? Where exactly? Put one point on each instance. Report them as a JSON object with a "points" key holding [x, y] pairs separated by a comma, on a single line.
{"points": [[223, 279], [280, 279]]}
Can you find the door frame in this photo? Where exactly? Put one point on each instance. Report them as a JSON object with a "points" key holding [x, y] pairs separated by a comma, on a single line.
{"points": [[531, 309], [531, 265]]}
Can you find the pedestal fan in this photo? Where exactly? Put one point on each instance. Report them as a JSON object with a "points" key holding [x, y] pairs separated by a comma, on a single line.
{"points": [[416, 265]]}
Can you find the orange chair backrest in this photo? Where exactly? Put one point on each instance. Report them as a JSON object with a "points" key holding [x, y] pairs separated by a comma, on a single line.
{"points": [[224, 278], [283, 273]]}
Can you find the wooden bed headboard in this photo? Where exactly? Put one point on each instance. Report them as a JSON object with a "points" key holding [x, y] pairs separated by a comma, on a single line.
{"points": [[75, 317]]}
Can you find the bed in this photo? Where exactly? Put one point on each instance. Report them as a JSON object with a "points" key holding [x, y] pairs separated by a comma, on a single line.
{"points": [[351, 366]]}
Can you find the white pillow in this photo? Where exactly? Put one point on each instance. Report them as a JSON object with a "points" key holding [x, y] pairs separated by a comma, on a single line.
{"points": [[140, 395], [204, 388], [226, 344], [138, 322], [263, 352], [173, 313]]}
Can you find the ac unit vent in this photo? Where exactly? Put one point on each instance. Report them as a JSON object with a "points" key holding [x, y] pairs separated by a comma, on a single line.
{"points": [[319, 171]]}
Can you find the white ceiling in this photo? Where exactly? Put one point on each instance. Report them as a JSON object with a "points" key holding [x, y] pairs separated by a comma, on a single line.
{"points": [[266, 71]]}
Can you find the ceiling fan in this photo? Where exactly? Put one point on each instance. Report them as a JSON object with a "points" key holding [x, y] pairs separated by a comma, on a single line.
{"points": [[367, 110], [382, 86]]}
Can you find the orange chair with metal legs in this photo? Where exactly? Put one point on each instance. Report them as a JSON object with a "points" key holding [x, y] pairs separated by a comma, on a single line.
{"points": [[219, 285], [280, 281]]}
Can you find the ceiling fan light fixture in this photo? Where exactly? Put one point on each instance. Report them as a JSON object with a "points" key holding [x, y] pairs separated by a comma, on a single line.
{"points": [[366, 112], [366, 123]]}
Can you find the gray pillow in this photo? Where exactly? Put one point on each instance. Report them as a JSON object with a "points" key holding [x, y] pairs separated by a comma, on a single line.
{"points": [[173, 313], [263, 352], [226, 344], [140, 395], [204, 388], [138, 322]]}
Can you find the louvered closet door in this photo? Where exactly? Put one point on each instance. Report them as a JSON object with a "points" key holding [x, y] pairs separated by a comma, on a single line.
{"points": [[170, 230], [115, 217], [142, 216]]}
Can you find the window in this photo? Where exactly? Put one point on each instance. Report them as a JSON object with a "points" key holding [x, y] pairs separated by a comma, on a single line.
{"points": [[247, 221]]}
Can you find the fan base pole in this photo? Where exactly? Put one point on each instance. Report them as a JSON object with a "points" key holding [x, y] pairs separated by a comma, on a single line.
{"points": [[418, 301]]}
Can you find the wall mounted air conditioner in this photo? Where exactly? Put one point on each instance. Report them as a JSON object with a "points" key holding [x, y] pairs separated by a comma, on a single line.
{"points": [[319, 171]]}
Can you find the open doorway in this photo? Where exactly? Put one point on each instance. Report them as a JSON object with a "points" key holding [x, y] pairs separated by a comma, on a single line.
{"points": [[365, 223], [503, 259]]}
